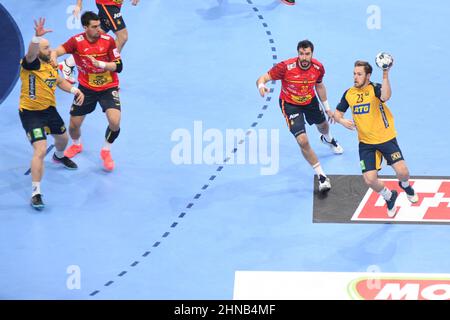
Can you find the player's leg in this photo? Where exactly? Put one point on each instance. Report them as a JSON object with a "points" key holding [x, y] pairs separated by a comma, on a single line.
{"points": [[77, 115], [394, 158], [315, 115], [59, 133], [296, 123], [110, 103], [370, 161], [33, 123], [111, 19], [37, 171]]}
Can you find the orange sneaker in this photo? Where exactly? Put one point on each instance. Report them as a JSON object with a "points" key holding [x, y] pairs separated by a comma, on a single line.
{"points": [[108, 162], [73, 150]]}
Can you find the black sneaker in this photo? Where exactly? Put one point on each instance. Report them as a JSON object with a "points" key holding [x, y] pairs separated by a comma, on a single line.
{"points": [[334, 145], [392, 210], [36, 202], [66, 162], [410, 193]]}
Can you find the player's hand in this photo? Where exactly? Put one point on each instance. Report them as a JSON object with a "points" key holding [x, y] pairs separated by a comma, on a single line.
{"points": [[53, 59], [76, 11], [97, 63], [330, 115], [79, 97], [134, 2], [262, 89], [39, 27], [349, 124]]}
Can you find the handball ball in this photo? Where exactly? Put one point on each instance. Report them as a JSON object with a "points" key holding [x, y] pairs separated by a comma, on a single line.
{"points": [[384, 60]]}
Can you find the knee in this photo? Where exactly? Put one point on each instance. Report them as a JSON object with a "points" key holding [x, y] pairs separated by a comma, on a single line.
{"points": [[39, 153], [371, 181], [303, 141], [122, 36]]}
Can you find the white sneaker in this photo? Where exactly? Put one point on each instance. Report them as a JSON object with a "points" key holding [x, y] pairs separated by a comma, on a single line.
{"points": [[410, 193], [67, 72], [334, 145], [324, 184]]}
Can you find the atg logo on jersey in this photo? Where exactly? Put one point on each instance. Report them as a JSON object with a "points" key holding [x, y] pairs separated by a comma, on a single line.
{"points": [[399, 288], [361, 108], [433, 204]]}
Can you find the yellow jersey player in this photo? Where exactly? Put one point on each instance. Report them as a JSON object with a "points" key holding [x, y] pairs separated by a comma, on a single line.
{"points": [[376, 132], [37, 109]]}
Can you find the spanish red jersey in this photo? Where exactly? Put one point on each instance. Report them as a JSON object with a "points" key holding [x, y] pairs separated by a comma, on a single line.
{"points": [[103, 49], [117, 3], [297, 85]]}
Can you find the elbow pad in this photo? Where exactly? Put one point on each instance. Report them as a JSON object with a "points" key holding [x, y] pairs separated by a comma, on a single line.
{"points": [[119, 65]]}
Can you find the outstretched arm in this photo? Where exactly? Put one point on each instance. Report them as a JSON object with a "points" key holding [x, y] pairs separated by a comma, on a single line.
{"points": [[33, 48], [385, 86]]}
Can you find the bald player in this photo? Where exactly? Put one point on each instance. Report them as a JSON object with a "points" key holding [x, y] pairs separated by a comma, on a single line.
{"points": [[37, 108]]}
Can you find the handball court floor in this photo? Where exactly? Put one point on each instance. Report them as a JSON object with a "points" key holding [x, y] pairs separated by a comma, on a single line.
{"points": [[154, 229]]}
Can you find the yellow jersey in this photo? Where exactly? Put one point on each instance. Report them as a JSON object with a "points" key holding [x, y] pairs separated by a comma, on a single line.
{"points": [[373, 119], [38, 85]]}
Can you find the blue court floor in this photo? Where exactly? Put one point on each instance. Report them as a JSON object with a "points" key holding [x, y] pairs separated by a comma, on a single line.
{"points": [[156, 228]]}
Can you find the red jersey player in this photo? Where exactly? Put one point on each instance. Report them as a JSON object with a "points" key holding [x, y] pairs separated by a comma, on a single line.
{"points": [[98, 62], [301, 78], [110, 20]]}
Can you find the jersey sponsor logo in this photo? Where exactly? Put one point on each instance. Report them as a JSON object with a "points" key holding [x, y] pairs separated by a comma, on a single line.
{"points": [[316, 66], [399, 288], [291, 66], [105, 36], [50, 83], [79, 38], [32, 86], [99, 79], [433, 205], [361, 108], [301, 99]]}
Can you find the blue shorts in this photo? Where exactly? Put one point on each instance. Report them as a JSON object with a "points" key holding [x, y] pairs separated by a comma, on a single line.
{"points": [[371, 155]]}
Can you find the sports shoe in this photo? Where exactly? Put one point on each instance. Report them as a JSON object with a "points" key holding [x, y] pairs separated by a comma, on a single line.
{"points": [[324, 184], [288, 2], [108, 162], [410, 193], [65, 161], [36, 202], [392, 209], [68, 72], [73, 150], [334, 145]]}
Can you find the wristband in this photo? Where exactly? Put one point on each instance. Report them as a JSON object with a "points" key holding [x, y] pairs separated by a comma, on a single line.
{"points": [[102, 64], [73, 90], [326, 105], [261, 85], [36, 39]]}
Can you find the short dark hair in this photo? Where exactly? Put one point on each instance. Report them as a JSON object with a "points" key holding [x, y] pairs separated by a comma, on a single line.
{"points": [[305, 44], [87, 17], [367, 67]]}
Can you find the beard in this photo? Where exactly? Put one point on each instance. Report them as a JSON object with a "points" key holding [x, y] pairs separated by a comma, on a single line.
{"points": [[43, 57], [305, 64]]}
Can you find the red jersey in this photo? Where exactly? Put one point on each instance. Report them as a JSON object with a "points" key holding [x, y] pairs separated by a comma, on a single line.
{"points": [[103, 49], [117, 3], [297, 85]]}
